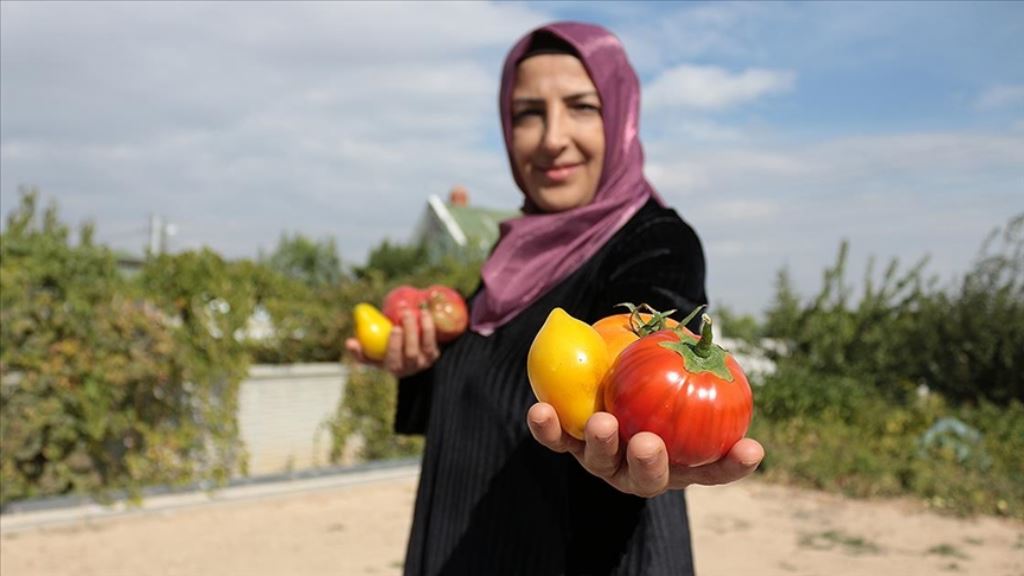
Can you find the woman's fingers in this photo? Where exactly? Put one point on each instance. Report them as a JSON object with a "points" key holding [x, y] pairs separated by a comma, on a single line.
{"points": [[546, 429], [641, 466], [353, 347], [412, 338], [744, 457], [393, 358], [412, 346], [647, 459], [428, 342], [601, 455]]}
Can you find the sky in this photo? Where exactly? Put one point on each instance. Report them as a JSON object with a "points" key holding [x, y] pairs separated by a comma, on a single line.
{"points": [[777, 130]]}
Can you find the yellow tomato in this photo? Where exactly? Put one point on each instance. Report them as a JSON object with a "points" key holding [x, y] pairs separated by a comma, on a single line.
{"points": [[566, 364], [372, 330]]}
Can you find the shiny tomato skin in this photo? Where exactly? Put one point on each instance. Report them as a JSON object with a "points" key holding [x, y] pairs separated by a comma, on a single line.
{"points": [[699, 415], [372, 329], [566, 365], [448, 310], [400, 299]]}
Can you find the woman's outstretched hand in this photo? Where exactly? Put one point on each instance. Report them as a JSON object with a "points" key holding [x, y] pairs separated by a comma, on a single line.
{"points": [[642, 466], [410, 350]]}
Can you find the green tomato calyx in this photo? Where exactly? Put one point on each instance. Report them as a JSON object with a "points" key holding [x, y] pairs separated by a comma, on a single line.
{"points": [[700, 354]]}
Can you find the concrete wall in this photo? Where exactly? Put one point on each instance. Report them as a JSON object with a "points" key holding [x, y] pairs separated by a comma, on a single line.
{"points": [[281, 415]]}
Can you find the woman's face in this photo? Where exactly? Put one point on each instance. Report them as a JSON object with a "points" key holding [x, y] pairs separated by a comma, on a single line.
{"points": [[557, 132]]}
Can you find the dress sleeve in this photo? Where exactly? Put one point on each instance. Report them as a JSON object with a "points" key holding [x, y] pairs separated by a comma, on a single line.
{"points": [[414, 399], [660, 263]]}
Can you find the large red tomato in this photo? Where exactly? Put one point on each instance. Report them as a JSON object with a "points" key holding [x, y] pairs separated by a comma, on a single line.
{"points": [[685, 389], [400, 299], [448, 310]]}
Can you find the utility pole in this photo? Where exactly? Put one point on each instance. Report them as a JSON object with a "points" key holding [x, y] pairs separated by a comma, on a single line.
{"points": [[156, 236], [159, 231]]}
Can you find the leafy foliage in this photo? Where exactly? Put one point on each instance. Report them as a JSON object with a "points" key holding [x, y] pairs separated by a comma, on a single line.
{"points": [[865, 382], [313, 263], [207, 302], [111, 383], [839, 433], [95, 392], [389, 261], [971, 341], [967, 343], [366, 415]]}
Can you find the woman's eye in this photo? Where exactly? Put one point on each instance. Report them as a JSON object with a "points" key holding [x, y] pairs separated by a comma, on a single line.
{"points": [[582, 107], [526, 114]]}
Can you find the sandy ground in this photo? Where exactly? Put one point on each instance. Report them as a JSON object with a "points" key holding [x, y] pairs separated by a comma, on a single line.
{"points": [[749, 528]]}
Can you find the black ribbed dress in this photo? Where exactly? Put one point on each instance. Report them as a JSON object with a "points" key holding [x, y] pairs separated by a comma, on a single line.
{"points": [[492, 500]]}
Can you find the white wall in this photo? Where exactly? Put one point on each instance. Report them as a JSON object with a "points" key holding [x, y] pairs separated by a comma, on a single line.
{"points": [[281, 415]]}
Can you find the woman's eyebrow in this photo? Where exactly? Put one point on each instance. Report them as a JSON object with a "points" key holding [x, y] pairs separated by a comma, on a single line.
{"points": [[581, 95], [576, 96]]}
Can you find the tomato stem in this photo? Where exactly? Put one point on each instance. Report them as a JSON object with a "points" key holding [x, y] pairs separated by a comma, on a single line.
{"points": [[703, 346], [653, 324]]}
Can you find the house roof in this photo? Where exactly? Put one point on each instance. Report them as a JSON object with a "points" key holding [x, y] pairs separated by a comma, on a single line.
{"points": [[470, 224], [480, 223]]}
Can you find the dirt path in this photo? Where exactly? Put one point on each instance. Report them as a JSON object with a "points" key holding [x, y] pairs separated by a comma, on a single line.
{"points": [[750, 529]]}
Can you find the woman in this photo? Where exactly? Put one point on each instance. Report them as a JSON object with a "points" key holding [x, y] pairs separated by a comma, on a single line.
{"points": [[492, 499]]}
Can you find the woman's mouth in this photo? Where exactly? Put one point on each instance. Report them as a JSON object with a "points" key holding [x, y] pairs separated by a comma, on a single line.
{"points": [[560, 173]]}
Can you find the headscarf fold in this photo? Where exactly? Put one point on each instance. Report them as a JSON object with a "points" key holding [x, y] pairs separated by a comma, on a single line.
{"points": [[538, 250]]}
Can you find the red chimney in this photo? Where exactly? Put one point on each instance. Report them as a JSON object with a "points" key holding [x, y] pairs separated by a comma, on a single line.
{"points": [[458, 196]]}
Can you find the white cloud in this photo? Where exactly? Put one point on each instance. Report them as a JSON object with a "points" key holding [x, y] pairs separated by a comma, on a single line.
{"points": [[241, 120], [1001, 96], [714, 88], [769, 205], [740, 210]]}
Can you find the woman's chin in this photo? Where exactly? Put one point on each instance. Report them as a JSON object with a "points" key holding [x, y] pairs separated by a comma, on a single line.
{"points": [[560, 198]]}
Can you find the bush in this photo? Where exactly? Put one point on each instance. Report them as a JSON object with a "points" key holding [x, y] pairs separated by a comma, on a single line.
{"points": [[208, 302], [115, 384], [966, 343], [366, 417], [969, 342], [103, 411], [111, 385], [94, 394], [864, 400], [841, 434]]}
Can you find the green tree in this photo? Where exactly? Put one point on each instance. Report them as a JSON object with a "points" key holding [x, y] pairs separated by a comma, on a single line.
{"points": [[390, 261], [782, 315], [970, 340], [314, 263]]}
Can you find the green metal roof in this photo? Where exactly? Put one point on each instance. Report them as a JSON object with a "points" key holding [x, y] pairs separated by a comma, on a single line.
{"points": [[480, 225]]}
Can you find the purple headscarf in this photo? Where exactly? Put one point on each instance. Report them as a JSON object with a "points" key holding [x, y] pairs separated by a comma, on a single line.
{"points": [[538, 250]]}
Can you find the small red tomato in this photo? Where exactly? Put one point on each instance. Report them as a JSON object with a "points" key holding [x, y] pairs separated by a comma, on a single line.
{"points": [[400, 299], [685, 389], [448, 310]]}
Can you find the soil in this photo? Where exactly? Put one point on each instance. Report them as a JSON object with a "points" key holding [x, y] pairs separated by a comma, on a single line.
{"points": [[749, 528]]}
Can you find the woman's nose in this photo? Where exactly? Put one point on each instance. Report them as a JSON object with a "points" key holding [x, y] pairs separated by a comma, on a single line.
{"points": [[556, 131]]}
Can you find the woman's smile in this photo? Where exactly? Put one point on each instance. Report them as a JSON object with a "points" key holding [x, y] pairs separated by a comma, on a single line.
{"points": [[561, 173]]}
